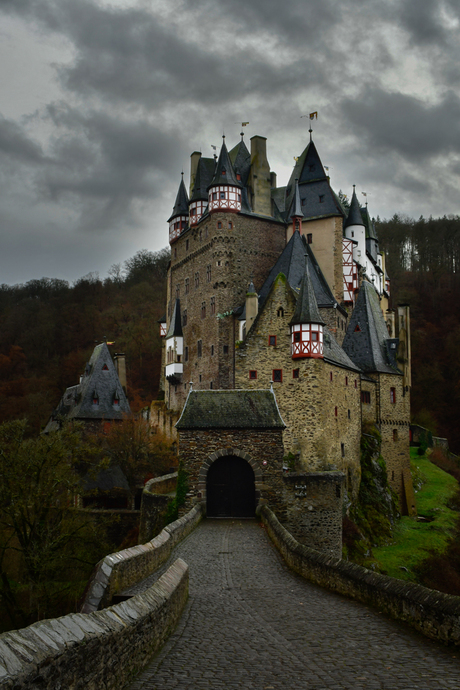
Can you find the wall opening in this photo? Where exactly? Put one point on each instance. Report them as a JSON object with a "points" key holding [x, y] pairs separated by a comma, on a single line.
{"points": [[230, 488]]}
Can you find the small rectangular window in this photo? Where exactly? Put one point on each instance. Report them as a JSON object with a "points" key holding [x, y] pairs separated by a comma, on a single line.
{"points": [[342, 448], [203, 310], [277, 375], [297, 336], [336, 411], [321, 198], [199, 348], [346, 380], [210, 385], [309, 238], [187, 285], [208, 273], [272, 339], [197, 279], [184, 317], [186, 354], [295, 373], [212, 350], [252, 374], [186, 244], [213, 306], [225, 349], [392, 395], [330, 375]]}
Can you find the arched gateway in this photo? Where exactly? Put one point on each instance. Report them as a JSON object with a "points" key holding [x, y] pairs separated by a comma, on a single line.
{"points": [[230, 488], [230, 445]]}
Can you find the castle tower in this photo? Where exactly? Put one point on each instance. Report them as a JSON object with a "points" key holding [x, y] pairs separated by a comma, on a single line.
{"points": [[178, 221], [174, 345], [224, 192], [202, 172], [306, 324], [355, 230]]}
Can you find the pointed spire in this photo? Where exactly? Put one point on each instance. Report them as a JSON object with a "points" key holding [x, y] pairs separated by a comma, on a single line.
{"points": [[296, 203], [306, 310], [354, 215], [181, 205], [224, 173], [175, 326]]}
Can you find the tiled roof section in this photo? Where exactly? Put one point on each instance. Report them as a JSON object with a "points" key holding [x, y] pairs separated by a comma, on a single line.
{"points": [[175, 325], [231, 409], [100, 381], [278, 195], [241, 160], [292, 264], [181, 205], [354, 215], [366, 337], [368, 224], [224, 173], [306, 310], [333, 353], [204, 175]]}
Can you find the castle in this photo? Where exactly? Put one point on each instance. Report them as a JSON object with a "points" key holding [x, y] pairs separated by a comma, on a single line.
{"points": [[283, 290]]}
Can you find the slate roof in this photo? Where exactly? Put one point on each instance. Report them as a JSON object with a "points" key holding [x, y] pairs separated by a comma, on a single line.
{"points": [[175, 325], [296, 207], [291, 263], [368, 224], [367, 335], [100, 379], [241, 160], [354, 214], [306, 310], [181, 205], [204, 175], [231, 409], [334, 354], [224, 173]]}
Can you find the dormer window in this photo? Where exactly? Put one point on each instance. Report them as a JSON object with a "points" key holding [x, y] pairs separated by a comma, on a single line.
{"points": [[116, 401], [311, 168], [95, 399], [224, 172], [238, 176], [321, 198], [105, 367]]}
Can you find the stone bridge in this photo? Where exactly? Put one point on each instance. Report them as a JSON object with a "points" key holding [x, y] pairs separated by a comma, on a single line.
{"points": [[252, 623]]}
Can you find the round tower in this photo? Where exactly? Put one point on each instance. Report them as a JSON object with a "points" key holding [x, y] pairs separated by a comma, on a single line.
{"points": [[178, 221], [224, 192], [306, 324]]}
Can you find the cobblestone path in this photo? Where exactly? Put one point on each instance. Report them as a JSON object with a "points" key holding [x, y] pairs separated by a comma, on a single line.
{"points": [[251, 623]]}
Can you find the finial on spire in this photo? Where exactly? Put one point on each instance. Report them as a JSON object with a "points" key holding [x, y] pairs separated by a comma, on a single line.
{"points": [[311, 131], [241, 135]]}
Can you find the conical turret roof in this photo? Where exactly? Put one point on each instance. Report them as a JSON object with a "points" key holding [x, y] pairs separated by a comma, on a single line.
{"points": [[306, 310], [366, 338], [175, 326], [241, 160], [354, 215], [224, 172], [296, 204], [181, 205]]}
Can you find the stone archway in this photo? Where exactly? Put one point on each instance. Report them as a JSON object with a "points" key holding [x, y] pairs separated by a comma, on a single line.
{"points": [[228, 481]]}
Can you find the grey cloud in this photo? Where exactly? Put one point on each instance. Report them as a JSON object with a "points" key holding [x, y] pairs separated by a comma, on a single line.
{"points": [[392, 121], [15, 143]]}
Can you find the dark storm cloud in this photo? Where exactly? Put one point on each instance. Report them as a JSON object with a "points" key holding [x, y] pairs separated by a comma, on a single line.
{"points": [[17, 145], [394, 122]]}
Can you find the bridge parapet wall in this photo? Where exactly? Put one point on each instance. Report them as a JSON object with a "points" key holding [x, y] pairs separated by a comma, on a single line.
{"points": [[432, 613], [104, 649], [123, 569], [156, 497]]}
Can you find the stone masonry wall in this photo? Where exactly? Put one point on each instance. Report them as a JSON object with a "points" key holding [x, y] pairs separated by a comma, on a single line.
{"points": [[314, 509], [394, 424], [434, 614], [217, 262], [321, 407], [262, 448], [156, 497], [105, 649], [123, 569]]}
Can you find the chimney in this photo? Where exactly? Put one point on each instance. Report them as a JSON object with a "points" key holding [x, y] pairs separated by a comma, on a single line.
{"points": [[194, 160], [260, 179], [120, 365]]}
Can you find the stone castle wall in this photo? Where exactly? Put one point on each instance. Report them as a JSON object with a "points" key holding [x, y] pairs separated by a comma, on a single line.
{"points": [[321, 407], [218, 263]]}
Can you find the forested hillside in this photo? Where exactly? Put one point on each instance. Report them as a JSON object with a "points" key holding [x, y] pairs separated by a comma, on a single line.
{"points": [[48, 330], [423, 262]]}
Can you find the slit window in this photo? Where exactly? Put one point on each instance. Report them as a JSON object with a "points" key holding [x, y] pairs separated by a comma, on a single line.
{"points": [[295, 373], [309, 238], [199, 348], [272, 340], [393, 395]]}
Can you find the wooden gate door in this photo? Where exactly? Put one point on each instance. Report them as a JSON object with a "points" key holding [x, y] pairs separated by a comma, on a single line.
{"points": [[230, 488]]}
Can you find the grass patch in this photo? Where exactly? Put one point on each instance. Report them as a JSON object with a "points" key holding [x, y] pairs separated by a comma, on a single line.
{"points": [[413, 541]]}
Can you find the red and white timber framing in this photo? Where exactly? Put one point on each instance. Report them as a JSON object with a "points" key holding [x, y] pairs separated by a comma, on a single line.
{"points": [[225, 198], [306, 340], [350, 272], [176, 226], [196, 210]]}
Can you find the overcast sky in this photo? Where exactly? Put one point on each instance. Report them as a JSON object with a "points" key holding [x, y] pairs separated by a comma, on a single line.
{"points": [[102, 105]]}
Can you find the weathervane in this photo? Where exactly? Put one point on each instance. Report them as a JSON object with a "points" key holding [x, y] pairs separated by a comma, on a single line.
{"points": [[311, 116]]}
